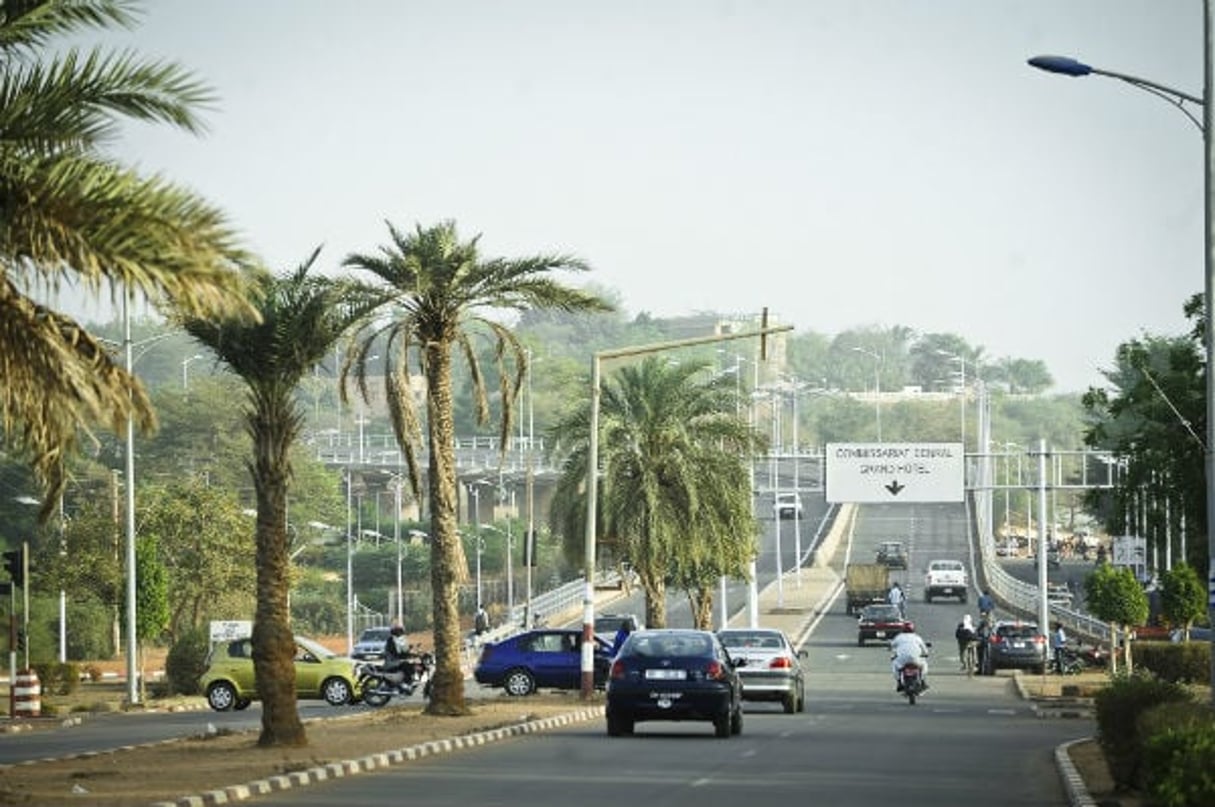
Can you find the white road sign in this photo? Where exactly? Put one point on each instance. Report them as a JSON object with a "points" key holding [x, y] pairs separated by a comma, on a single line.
{"points": [[895, 472], [222, 631]]}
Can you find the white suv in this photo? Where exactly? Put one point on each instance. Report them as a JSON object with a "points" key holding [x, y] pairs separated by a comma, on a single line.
{"points": [[788, 505], [945, 578]]}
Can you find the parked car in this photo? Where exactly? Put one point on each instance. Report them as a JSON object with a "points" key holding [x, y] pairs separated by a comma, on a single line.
{"points": [[770, 668], [228, 681], [881, 623], [788, 505], [546, 658], [370, 646], [1015, 645], [893, 554], [674, 674]]}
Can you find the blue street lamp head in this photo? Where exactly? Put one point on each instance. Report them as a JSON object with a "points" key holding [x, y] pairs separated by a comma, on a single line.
{"points": [[1061, 64]]}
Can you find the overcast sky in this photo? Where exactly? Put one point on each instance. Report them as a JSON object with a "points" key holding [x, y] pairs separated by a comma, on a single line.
{"points": [[847, 163]]}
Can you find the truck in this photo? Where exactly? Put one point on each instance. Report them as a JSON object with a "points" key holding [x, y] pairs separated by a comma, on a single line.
{"points": [[945, 578], [865, 584]]}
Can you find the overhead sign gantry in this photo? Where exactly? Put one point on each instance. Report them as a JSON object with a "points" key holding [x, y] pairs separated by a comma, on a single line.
{"points": [[895, 472]]}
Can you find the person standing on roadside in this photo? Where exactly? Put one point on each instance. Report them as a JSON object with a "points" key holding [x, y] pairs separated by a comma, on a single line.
{"points": [[896, 598]]}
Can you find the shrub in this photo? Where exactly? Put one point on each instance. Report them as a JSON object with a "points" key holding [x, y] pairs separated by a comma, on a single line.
{"points": [[1119, 707], [1179, 763], [1184, 662], [93, 672], [187, 661]]}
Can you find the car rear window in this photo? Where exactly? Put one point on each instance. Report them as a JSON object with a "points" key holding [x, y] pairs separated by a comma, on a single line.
{"points": [[1017, 631]]}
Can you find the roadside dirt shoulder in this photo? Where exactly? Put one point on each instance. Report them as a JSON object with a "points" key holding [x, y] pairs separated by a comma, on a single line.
{"points": [[166, 772]]}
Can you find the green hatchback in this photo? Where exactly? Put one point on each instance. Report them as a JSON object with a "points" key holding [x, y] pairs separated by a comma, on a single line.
{"points": [[319, 674]]}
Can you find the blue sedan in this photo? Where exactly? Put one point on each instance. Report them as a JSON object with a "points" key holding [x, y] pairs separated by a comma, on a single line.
{"points": [[549, 658]]}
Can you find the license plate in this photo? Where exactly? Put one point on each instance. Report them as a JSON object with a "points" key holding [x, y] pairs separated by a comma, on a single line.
{"points": [[880, 634], [1019, 645], [665, 675], [947, 590]]}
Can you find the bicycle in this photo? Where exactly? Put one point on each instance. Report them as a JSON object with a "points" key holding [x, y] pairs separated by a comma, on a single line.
{"points": [[970, 658]]}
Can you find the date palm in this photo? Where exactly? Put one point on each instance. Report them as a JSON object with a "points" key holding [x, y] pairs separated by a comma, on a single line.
{"points": [[71, 216], [301, 319], [675, 497], [438, 290]]}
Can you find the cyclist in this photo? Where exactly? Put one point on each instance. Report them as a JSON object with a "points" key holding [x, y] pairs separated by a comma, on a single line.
{"points": [[967, 638]]}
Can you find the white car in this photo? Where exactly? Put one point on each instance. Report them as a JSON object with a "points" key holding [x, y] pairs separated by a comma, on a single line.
{"points": [[788, 505]]}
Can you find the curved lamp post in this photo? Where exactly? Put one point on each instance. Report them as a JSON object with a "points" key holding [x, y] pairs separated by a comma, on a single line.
{"points": [[877, 386], [1067, 66]]}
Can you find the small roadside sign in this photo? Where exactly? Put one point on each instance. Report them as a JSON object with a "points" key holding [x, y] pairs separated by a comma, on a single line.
{"points": [[225, 631], [895, 472]]}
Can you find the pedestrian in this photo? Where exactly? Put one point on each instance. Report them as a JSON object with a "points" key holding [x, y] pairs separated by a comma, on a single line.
{"points": [[1058, 641], [481, 621], [621, 635], [983, 636], [896, 597]]}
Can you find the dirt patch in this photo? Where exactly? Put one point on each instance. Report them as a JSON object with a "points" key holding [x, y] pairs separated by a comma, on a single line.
{"points": [[168, 771], [1090, 763]]}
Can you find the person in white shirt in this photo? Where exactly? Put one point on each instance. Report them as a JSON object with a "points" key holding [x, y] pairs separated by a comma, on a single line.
{"points": [[896, 597], [907, 647]]}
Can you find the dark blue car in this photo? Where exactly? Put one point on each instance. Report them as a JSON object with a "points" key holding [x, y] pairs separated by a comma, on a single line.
{"points": [[548, 658]]}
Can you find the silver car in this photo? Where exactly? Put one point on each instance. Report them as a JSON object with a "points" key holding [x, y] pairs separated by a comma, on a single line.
{"points": [[769, 666]]}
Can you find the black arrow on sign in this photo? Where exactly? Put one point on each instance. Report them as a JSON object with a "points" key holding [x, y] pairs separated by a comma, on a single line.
{"points": [[895, 488]]}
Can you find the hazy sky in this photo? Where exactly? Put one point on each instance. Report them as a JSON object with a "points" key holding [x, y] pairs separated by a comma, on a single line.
{"points": [[846, 163]]}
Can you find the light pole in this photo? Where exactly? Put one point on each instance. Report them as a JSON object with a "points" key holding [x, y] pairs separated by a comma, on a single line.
{"points": [[592, 478], [185, 372], [475, 489], [961, 360], [1071, 67], [877, 387]]}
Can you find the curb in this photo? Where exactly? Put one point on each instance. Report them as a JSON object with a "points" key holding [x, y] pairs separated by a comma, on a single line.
{"points": [[385, 759], [1077, 792]]}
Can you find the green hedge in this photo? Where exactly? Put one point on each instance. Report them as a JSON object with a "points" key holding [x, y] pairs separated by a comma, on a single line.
{"points": [[1119, 707], [1179, 662], [1179, 760]]}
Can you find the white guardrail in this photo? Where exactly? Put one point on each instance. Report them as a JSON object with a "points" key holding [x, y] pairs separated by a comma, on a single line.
{"points": [[1025, 597]]}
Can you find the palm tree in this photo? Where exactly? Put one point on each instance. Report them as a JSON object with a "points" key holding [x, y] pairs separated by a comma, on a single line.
{"points": [[675, 498], [70, 216], [301, 319], [438, 286]]}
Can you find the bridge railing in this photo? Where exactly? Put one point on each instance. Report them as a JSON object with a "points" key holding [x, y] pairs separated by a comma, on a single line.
{"points": [[478, 452]]}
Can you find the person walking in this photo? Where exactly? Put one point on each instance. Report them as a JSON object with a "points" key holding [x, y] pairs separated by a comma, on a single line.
{"points": [[896, 598], [1058, 641], [481, 620]]}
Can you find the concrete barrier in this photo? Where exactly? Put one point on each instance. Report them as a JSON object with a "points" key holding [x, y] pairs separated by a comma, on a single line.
{"points": [[27, 695]]}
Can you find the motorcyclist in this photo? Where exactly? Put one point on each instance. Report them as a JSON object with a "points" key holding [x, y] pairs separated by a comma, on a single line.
{"points": [[908, 647], [396, 652]]}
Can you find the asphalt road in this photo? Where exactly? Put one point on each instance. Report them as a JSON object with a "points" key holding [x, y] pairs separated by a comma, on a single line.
{"points": [[968, 741]]}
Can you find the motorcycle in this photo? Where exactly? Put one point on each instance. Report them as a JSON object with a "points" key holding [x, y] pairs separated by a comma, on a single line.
{"points": [[380, 683], [911, 681]]}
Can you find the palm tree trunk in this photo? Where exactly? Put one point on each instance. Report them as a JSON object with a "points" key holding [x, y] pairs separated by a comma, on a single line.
{"points": [[701, 602], [445, 551], [273, 639]]}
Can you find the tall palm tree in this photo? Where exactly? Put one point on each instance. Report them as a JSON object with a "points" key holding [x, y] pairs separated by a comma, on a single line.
{"points": [[438, 288], [301, 319], [71, 216], [675, 494]]}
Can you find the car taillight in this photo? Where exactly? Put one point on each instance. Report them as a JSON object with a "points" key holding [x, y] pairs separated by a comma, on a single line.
{"points": [[1039, 640], [780, 663], [715, 671], [617, 672]]}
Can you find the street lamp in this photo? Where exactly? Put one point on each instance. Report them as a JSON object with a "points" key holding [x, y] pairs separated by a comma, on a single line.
{"points": [[185, 372], [961, 360], [1071, 67], [474, 488], [877, 387]]}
